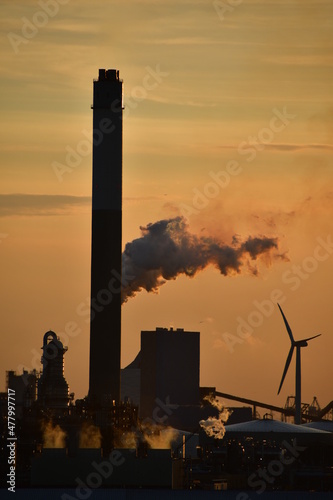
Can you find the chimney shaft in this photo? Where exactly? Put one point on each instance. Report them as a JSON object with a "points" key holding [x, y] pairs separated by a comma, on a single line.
{"points": [[106, 251]]}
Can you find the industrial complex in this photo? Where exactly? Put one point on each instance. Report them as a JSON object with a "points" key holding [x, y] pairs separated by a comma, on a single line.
{"points": [[149, 425]]}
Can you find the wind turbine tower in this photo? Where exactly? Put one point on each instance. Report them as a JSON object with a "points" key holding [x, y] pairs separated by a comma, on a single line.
{"points": [[298, 344]]}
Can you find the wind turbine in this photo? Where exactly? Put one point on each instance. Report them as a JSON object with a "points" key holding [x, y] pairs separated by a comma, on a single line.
{"points": [[298, 344]]}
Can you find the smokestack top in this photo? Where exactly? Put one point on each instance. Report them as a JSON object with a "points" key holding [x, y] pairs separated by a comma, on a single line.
{"points": [[109, 74], [162, 329]]}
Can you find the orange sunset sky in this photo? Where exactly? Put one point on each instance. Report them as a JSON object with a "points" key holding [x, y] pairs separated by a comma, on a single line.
{"points": [[228, 122]]}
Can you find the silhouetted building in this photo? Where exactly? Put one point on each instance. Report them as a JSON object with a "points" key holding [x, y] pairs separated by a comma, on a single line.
{"points": [[121, 467], [170, 369], [131, 380], [25, 387], [106, 250], [164, 377], [53, 390]]}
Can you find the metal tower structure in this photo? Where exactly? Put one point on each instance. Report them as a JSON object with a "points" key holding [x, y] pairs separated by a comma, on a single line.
{"points": [[298, 344]]}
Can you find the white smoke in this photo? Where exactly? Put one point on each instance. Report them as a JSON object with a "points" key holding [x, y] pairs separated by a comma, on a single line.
{"points": [[167, 249], [214, 426], [214, 402]]}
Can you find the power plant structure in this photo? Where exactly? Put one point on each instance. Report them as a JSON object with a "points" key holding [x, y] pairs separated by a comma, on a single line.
{"points": [[170, 373], [149, 425], [170, 364], [53, 390], [106, 247]]}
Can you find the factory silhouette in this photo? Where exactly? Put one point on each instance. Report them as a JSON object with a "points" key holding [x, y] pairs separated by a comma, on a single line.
{"points": [[150, 425]]}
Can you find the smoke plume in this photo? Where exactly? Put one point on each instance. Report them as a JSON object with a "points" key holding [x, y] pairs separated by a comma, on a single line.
{"points": [[90, 436], [53, 436], [167, 249], [162, 440], [156, 437], [215, 403], [214, 426], [127, 440]]}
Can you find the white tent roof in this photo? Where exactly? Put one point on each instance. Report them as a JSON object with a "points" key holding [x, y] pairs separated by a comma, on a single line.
{"points": [[269, 428], [268, 425], [326, 425]]}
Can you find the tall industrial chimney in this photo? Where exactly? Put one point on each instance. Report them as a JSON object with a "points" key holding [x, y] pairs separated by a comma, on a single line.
{"points": [[105, 326]]}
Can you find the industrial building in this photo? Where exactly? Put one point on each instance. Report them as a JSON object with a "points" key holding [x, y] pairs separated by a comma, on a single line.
{"points": [[170, 369], [61, 441], [124, 467], [25, 387], [53, 390], [130, 381], [164, 381]]}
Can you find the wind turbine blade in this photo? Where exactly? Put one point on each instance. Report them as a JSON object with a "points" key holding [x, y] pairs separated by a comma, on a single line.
{"points": [[290, 333], [290, 355], [310, 338]]}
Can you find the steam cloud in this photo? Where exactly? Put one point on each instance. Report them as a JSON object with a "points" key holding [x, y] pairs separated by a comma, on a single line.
{"points": [[167, 249], [90, 436], [154, 436], [214, 426], [53, 436], [128, 440], [163, 440]]}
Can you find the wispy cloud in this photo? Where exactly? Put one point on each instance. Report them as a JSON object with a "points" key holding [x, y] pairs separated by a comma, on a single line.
{"points": [[41, 204], [132, 200], [301, 60], [297, 147], [286, 147], [181, 102], [189, 41]]}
